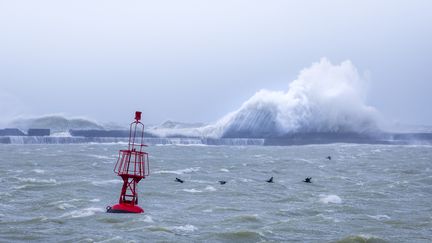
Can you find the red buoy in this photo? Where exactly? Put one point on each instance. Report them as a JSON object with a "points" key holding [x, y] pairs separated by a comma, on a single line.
{"points": [[132, 166]]}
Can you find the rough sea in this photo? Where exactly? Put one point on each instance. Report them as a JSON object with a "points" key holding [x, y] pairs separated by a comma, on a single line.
{"points": [[365, 193]]}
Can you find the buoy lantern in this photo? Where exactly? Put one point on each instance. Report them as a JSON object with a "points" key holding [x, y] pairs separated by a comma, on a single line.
{"points": [[132, 166]]}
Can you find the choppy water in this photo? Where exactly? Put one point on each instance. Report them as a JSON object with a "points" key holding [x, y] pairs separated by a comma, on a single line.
{"points": [[372, 193]]}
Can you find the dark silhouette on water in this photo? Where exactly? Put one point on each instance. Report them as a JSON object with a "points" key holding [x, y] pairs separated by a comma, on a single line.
{"points": [[179, 180], [328, 157], [222, 182], [270, 180], [308, 180]]}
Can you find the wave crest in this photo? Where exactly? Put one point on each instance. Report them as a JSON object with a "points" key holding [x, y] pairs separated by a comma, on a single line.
{"points": [[323, 98]]}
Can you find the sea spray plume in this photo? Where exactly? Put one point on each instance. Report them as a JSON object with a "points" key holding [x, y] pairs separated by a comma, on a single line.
{"points": [[57, 123], [323, 98]]}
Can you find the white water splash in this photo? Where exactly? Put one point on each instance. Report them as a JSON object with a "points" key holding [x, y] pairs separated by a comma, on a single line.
{"points": [[178, 172], [82, 212], [192, 190], [184, 228], [210, 189], [330, 199]]}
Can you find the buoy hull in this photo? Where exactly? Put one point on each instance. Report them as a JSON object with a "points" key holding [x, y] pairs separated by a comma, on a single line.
{"points": [[125, 208]]}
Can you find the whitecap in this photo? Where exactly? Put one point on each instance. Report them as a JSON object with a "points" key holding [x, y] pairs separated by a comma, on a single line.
{"points": [[114, 239], [100, 156], [192, 190], [15, 171], [147, 219], [95, 200], [64, 206], [184, 228], [224, 170], [178, 172], [39, 171], [379, 217], [34, 180], [83, 212], [99, 183], [210, 188], [330, 199], [199, 181]]}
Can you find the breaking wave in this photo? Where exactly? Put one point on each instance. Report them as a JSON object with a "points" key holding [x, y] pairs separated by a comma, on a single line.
{"points": [[361, 238], [82, 213], [57, 123], [323, 98]]}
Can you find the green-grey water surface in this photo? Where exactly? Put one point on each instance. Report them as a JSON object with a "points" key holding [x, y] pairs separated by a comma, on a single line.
{"points": [[365, 193]]}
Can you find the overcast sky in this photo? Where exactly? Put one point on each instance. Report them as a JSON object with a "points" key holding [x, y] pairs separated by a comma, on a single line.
{"points": [[198, 60]]}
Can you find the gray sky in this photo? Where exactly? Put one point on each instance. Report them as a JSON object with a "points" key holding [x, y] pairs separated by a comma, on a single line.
{"points": [[198, 60]]}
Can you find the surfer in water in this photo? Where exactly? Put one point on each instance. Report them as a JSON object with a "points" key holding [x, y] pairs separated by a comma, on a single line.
{"points": [[270, 180], [328, 157], [179, 180], [308, 180], [222, 182]]}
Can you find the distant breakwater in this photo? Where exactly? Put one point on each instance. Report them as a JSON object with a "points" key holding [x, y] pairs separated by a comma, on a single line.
{"points": [[149, 141], [293, 139]]}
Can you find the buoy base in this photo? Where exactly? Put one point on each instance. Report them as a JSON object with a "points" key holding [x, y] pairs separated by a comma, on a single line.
{"points": [[124, 208]]}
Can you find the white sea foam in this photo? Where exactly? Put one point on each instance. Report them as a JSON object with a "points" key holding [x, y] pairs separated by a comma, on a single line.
{"points": [[210, 189], [379, 217], [15, 171], [184, 228], [330, 199], [39, 171], [64, 206], [224, 170], [147, 219], [41, 181], [178, 172], [114, 239], [192, 190], [100, 156], [82, 212], [100, 183], [199, 181]]}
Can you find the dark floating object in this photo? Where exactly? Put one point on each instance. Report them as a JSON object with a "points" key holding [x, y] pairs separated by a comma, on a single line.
{"points": [[179, 180], [308, 180], [328, 157], [222, 182], [270, 180]]}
